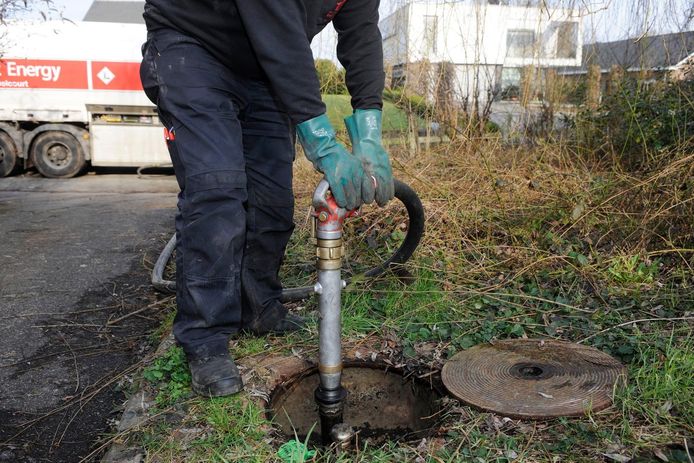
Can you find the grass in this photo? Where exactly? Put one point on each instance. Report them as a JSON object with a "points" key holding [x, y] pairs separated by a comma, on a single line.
{"points": [[519, 243], [662, 379], [339, 107]]}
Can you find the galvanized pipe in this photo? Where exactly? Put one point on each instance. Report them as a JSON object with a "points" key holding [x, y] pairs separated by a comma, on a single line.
{"points": [[330, 394], [330, 345]]}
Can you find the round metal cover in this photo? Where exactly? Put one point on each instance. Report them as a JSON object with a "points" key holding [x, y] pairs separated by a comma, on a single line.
{"points": [[526, 378]]}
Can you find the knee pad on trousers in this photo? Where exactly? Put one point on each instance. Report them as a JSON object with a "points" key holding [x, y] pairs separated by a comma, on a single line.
{"points": [[214, 225]]}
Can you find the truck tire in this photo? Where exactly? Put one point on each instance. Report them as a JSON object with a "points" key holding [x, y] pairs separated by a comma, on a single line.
{"points": [[57, 155], [8, 155]]}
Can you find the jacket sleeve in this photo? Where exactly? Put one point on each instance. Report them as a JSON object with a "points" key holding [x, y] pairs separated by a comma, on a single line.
{"points": [[278, 37], [360, 50]]}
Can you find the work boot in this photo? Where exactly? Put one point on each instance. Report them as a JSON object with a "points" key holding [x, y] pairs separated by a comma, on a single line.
{"points": [[215, 376], [287, 324]]}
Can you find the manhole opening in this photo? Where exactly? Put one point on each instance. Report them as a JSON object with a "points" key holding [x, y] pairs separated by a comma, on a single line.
{"points": [[381, 405], [531, 371]]}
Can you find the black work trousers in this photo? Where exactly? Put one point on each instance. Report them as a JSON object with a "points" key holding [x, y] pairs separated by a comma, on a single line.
{"points": [[232, 150]]}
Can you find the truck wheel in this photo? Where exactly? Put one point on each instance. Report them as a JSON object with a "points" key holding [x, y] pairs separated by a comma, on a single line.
{"points": [[57, 155], [8, 155]]}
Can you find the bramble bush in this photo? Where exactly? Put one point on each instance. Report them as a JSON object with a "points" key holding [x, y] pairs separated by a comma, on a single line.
{"points": [[637, 123]]}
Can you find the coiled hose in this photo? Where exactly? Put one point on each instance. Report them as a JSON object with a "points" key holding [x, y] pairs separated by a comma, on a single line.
{"points": [[405, 194]]}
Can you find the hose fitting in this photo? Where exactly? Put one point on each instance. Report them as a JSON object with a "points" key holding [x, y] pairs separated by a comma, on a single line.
{"points": [[329, 254]]}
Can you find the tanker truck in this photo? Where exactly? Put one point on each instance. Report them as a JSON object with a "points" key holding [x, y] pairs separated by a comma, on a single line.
{"points": [[70, 98]]}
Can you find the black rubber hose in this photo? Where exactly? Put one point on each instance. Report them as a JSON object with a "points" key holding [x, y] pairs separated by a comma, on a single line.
{"points": [[158, 281], [403, 193], [415, 231]]}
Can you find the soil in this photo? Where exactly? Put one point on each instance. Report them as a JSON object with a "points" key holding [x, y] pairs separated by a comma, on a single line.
{"points": [[90, 363], [76, 258]]}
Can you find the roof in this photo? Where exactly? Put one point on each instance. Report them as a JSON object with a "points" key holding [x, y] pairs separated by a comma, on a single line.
{"points": [[658, 52], [116, 11]]}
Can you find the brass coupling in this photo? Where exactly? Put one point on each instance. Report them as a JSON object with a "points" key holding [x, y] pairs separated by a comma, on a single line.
{"points": [[329, 253], [330, 369]]}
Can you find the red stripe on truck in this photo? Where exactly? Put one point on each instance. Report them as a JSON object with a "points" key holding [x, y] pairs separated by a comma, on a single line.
{"points": [[34, 73], [115, 76], [61, 74]]}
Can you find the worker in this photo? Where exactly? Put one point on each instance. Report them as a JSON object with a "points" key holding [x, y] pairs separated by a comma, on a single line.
{"points": [[233, 82]]}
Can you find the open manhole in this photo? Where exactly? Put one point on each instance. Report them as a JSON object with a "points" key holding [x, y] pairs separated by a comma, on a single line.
{"points": [[381, 405]]}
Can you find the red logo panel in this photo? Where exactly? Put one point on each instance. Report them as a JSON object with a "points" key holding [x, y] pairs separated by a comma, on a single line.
{"points": [[33, 73], [115, 76]]}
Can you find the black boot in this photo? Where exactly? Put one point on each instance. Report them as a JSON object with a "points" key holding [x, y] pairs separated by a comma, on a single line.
{"points": [[288, 324], [274, 325], [215, 376]]}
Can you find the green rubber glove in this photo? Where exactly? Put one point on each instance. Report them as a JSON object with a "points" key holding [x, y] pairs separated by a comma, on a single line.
{"points": [[343, 172], [364, 129]]}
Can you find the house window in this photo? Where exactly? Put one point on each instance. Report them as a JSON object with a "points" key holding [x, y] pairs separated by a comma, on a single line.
{"points": [[510, 84], [398, 78], [430, 26], [520, 43], [567, 40]]}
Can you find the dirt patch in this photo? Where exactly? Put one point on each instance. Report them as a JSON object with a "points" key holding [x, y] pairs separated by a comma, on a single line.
{"points": [[88, 358]]}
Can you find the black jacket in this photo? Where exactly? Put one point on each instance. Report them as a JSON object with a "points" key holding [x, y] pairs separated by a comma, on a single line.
{"points": [[270, 40]]}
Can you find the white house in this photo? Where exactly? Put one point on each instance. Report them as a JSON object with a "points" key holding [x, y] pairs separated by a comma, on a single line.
{"points": [[487, 43]]}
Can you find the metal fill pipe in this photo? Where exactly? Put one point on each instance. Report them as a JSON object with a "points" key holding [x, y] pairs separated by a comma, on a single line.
{"points": [[330, 394], [330, 343]]}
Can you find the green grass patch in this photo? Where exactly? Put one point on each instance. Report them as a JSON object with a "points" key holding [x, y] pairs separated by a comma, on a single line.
{"points": [[340, 106], [237, 428], [633, 269], [661, 383]]}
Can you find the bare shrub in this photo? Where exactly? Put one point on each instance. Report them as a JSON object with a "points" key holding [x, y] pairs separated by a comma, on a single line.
{"points": [[11, 9]]}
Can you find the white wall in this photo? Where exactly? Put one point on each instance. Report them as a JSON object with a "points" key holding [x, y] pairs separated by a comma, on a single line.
{"points": [[473, 34], [474, 82], [394, 30]]}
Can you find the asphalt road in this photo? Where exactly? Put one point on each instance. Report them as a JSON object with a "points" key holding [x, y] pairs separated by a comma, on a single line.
{"points": [[76, 255]]}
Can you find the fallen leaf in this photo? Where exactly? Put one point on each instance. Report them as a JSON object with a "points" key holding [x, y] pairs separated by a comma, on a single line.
{"points": [[661, 456], [546, 396], [618, 457], [666, 407], [578, 211]]}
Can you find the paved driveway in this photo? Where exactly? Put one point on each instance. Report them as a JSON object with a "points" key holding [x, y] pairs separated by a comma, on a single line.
{"points": [[75, 257]]}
